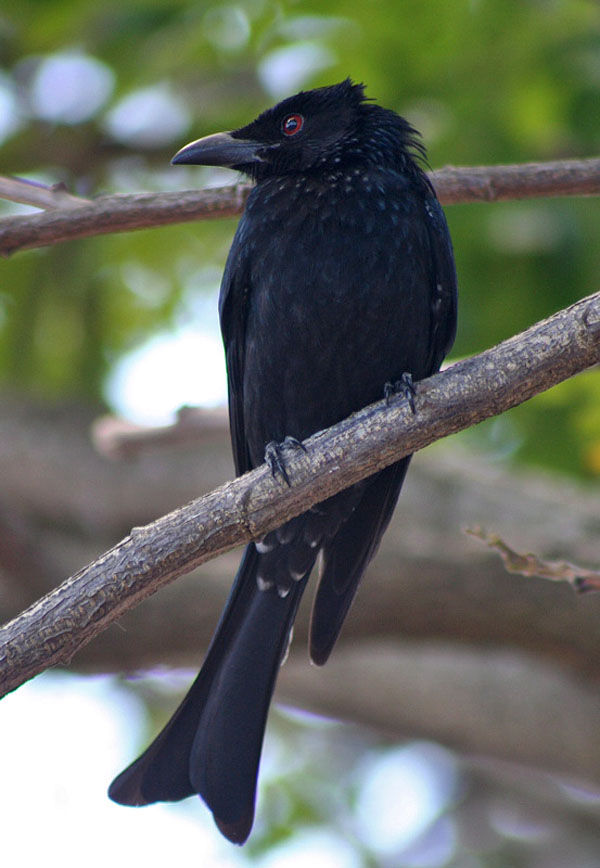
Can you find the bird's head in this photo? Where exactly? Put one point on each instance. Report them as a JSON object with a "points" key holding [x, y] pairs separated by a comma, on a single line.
{"points": [[317, 130]]}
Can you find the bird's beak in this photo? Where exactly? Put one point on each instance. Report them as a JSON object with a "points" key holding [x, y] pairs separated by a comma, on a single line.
{"points": [[220, 149]]}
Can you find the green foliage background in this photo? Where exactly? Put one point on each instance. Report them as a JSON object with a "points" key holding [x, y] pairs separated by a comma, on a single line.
{"points": [[487, 81]]}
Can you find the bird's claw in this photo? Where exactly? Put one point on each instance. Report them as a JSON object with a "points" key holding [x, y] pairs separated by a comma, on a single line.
{"points": [[274, 456], [404, 386]]}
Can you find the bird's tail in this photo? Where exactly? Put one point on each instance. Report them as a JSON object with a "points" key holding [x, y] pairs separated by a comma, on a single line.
{"points": [[212, 744], [346, 556]]}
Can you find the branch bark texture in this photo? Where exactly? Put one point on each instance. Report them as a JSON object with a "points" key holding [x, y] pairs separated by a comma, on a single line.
{"points": [[144, 210], [54, 628]]}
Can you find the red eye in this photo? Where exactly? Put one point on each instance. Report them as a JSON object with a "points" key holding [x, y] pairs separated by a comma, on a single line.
{"points": [[292, 124]]}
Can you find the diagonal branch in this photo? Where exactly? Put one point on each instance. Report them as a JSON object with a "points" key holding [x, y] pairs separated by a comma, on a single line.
{"points": [[531, 565], [39, 195], [54, 628], [144, 210]]}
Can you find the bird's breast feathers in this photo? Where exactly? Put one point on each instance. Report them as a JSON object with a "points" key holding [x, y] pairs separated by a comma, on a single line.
{"points": [[360, 201]]}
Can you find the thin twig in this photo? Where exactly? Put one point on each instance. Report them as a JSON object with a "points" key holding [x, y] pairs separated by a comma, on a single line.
{"points": [[144, 210], [39, 195], [474, 389], [580, 578]]}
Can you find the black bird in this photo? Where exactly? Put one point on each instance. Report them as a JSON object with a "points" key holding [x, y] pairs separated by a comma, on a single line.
{"points": [[340, 281]]}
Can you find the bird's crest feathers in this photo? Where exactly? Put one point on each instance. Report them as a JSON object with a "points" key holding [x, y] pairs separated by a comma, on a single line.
{"points": [[329, 127]]}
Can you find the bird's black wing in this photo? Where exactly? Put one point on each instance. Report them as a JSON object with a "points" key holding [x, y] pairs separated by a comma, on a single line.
{"points": [[233, 306], [346, 555], [444, 287]]}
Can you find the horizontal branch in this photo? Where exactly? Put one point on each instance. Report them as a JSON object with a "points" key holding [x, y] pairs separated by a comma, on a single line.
{"points": [[118, 438], [120, 213], [518, 181], [54, 628], [144, 210]]}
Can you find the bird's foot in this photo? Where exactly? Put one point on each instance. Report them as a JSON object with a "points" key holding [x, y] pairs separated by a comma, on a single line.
{"points": [[404, 386], [274, 456]]}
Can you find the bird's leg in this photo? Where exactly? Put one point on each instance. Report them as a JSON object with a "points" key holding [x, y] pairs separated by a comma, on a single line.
{"points": [[404, 386], [274, 456]]}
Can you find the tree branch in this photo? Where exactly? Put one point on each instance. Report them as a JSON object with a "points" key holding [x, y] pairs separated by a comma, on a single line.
{"points": [[120, 213], [54, 628], [117, 438], [518, 181], [428, 582], [144, 210], [580, 578], [39, 195]]}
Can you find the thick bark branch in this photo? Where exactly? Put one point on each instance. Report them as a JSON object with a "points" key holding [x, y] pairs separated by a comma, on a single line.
{"points": [[441, 637], [144, 210], [64, 520], [53, 629]]}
